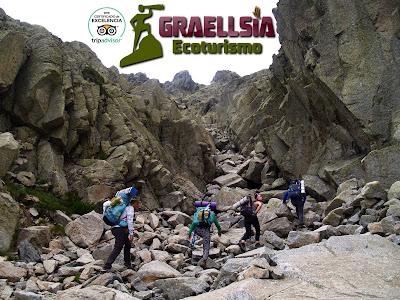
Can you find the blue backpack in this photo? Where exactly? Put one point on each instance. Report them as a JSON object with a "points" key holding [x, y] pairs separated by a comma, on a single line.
{"points": [[203, 214], [113, 213]]}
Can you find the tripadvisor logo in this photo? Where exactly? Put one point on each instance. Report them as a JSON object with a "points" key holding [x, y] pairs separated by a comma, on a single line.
{"points": [[149, 47], [106, 25]]}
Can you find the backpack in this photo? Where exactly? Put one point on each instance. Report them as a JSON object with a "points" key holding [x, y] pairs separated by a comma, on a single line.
{"points": [[113, 213], [203, 216], [294, 189], [246, 209]]}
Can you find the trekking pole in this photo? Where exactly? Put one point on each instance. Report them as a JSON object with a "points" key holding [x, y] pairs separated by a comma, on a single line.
{"points": [[92, 246]]}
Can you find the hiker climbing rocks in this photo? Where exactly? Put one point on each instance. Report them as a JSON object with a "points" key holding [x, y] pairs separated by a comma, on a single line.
{"points": [[122, 228], [249, 210], [202, 221], [297, 194]]}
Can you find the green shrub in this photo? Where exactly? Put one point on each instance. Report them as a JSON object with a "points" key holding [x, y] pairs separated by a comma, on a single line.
{"points": [[71, 204], [58, 230]]}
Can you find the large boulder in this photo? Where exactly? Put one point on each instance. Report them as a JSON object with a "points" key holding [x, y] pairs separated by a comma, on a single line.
{"points": [[10, 61], [37, 236], [306, 271], [181, 287], [381, 165], [85, 230], [11, 272], [8, 220], [9, 151], [155, 270], [94, 292]]}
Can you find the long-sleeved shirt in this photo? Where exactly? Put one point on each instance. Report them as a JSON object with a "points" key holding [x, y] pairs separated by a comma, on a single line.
{"points": [[127, 215], [215, 221]]}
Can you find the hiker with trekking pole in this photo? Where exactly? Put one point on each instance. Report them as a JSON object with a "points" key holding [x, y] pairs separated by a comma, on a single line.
{"points": [[119, 214]]}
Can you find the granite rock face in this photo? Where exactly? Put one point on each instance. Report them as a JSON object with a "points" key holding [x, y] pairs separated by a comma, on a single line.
{"points": [[87, 130], [329, 98]]}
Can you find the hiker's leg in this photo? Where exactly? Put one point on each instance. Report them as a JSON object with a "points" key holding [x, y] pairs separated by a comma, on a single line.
{"points": [[119, 234], [298, 203], [127, 250], [300, 212], [256, 225], [204, 232], [247, 225]]}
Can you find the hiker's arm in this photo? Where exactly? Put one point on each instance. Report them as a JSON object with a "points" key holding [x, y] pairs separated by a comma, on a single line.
{"points": [[259, 205], [218, 226], [285, 197], [129, 219], [105, 205], [304, 198], [191, 229]]}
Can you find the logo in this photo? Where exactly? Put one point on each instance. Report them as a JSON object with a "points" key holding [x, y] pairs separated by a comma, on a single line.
{"points": [[106, 25], [256, 12], [148, 47], [107, 29]]}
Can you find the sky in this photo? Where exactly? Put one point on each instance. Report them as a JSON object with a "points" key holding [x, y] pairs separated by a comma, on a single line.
{"points": [[72, 21]]}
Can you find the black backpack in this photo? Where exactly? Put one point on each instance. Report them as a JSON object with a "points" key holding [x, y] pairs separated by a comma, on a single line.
{"points": [[246, 209], [294, 189]]}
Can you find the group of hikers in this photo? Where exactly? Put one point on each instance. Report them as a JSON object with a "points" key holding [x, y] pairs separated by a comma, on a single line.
{"points": [[119, 214]]}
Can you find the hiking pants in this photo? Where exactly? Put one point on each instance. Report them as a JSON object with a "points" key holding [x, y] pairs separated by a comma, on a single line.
{"points": [[299, 204], [248, 221], [121, 241], [204, 232]]}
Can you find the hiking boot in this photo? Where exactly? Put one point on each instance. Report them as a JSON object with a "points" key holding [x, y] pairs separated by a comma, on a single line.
{"points": [[242, 246], [202, 263], [107, 268], [128, 266], [258, 245]]}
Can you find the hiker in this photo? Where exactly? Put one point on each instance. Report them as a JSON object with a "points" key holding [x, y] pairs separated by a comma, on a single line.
{"points": [[202, 221], [296, 192], [122, 231], [249, 211]]}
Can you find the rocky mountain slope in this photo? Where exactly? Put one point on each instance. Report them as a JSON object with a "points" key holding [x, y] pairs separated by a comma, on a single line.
{"points": [[328, 106], [66, 118]]}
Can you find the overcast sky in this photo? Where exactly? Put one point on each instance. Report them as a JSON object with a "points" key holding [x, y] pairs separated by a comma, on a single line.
{"points": [[69, 20]]}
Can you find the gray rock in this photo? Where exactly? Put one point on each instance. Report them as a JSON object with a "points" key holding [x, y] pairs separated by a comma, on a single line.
{"points": [[374, 190], [380, 165], [11, 272], [8, 220], [9, 151], [154, 270], [94, 292], [394, 191], [21, 295], [281, 226], [298, 239], [37, 236], [61, 218], [27, 252], [178, 288], [86, 230]]}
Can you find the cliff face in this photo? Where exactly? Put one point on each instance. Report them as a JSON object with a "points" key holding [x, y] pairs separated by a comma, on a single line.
{"points": [[329, 103], [87, 130]]}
